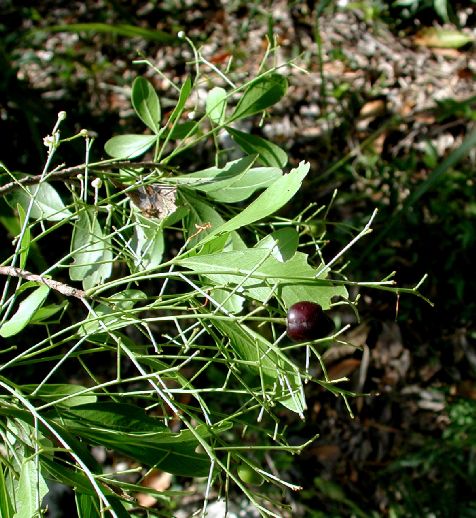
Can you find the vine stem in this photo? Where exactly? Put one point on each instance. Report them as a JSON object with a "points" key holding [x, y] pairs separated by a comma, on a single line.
{"points": [[64, 289], [71, 172], [366, 230]]}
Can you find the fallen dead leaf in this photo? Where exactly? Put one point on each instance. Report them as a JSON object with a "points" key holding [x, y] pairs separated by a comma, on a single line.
{"points": [[158, 480], [327, 453], [372, 109], [343, 369]]}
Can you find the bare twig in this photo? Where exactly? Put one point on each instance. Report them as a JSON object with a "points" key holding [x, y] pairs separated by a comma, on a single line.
{"points": [[62, 288], [71, 172]]}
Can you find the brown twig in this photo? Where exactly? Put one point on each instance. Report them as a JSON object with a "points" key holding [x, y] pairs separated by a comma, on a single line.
{"points": [[62, 288], [71, 172]]}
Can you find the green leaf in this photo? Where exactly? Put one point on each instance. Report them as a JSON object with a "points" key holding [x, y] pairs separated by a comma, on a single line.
{"points": [[183, 129], [268, 153], [147, 242], [47, 203], [283, 243], [11, 225], [31, 489], [245, 185], [46, 312], [90, 251], [130, 431], [6, 492], [112, 315], [76, 479], [215, 178], [231, 302], [53, 392], [258, 273], [183, 96], [80, 483], [267, 203], [145, 102], [276, 372], [26, 238], [233, 183], [87, 505], [108, 415], [441, 7], [308, 287], [154, 449], [200, 216], [129, 146], [216, 105], [120, 29], [25, 312], [259, 95]]}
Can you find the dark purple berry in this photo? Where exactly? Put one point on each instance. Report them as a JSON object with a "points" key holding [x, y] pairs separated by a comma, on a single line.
{"points": [[306, 321]]}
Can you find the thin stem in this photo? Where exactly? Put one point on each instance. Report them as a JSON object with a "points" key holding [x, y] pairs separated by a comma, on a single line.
{"points": [[70, 173], [366, 230]]}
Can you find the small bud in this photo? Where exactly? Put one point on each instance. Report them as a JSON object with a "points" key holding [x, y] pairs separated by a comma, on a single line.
{"points": [[84, 133], [61, 115], [191, 115], [97, 183], [181, 35], [48, 141]]}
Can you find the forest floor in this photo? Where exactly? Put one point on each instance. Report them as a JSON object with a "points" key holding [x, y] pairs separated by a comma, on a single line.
{"points": [[370, 106]]}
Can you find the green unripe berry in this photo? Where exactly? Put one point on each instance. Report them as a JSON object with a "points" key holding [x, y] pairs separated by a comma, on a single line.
{"points": [[249, 475]]}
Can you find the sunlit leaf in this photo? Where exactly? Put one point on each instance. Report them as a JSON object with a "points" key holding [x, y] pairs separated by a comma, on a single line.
{"points": [[183, 96], [129, 146], [267, 203], [87, 505], [26, 238], [90, 251], [145, 102], [183, 129], [46, 312], [31, 489], [441, 7], [259, 274], [283, 243], [203, 219], [216, 105], [47, 203], [227, 300], [264, 360], [269, 154], [25, 312], [215, 178], [53, 392], [6, 500], [260, 94], [112, 314], [147, 242], [234, 182]]}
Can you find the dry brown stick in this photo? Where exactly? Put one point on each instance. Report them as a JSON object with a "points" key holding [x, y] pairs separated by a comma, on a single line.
{"points": [[71, 172], [62, 288]]}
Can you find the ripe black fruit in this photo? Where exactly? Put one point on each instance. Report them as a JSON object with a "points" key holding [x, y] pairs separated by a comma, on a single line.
{"points": [[306, 321]]}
